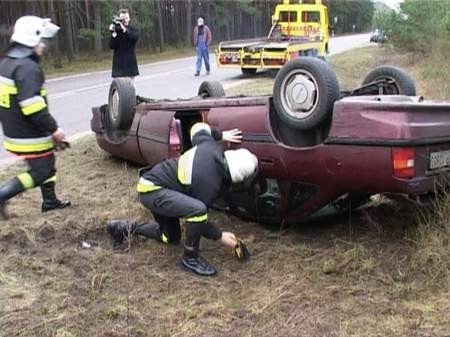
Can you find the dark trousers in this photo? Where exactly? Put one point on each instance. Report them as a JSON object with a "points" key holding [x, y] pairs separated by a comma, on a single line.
{"points": [[41, 173], [41, 169], [168, 206]]}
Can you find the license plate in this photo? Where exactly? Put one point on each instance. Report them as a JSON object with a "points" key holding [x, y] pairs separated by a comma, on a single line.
{"points": [[439, 159]]}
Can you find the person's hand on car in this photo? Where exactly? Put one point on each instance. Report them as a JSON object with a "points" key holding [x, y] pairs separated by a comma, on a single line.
{"points": [[228, 239], [232, 136]]}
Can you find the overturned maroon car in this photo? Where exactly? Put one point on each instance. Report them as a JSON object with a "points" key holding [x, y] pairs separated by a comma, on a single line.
{"points": [[319, 148]]}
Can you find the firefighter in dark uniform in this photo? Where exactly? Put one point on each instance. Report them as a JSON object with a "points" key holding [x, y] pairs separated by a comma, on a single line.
{"points": [[185, 187], [29, 130]]}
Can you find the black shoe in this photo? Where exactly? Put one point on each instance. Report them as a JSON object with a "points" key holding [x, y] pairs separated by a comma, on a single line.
{"points": [[198, 265], [118, 230], [56, 204], [197, 73]]}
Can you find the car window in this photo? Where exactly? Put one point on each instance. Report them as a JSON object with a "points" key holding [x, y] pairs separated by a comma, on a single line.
{"points": [[288, 16]]}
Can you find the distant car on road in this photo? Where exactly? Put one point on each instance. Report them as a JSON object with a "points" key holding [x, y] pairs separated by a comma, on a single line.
{"points": [[319, 148], [378, 36]]}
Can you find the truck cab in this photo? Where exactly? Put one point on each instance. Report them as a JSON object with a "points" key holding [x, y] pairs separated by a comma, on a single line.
{"points": [[304, 20]]}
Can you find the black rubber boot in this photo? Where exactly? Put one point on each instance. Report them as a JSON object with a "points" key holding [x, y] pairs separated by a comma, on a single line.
{"points": [[50, 201], [7, 191], [118, 229]]}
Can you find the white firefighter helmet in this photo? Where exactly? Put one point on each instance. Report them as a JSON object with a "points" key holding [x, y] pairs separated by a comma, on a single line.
{"points": [[28, 30], [242, 164]]}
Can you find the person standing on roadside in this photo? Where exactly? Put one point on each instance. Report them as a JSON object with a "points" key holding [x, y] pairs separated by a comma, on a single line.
{"points": [[29, 130], [123, 42], [202, 39]]}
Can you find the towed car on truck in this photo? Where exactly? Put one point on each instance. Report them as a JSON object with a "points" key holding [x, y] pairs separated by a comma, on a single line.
{"points": [[318, 147]]}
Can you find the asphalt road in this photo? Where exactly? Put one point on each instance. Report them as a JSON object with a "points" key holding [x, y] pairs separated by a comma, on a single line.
{"points": [[72, 97]]}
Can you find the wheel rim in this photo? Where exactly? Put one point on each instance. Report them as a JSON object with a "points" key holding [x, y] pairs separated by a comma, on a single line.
{"points": [[299, 94], [389, 88], [114, 108]]}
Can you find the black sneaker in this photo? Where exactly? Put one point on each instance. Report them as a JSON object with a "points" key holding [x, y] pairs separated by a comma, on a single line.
{"points": [[199, 266], [58, 204], [197, 73]]}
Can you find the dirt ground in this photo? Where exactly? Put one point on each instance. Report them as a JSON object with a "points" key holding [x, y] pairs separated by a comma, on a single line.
{"points": [[359, 274]]}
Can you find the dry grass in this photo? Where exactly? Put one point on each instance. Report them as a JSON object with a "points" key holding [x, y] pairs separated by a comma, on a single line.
{"points": [[431, 74], [365, 275]]}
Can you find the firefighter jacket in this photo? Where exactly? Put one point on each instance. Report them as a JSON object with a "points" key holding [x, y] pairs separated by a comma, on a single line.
{"points": [[201, 172], [27, 124]]}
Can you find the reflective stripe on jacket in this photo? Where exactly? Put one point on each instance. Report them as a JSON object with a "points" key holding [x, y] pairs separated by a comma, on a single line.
{"points": [[27, 124], [201, 172]]}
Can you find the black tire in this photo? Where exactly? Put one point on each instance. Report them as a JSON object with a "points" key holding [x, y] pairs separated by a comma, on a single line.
{"points": [[121, 104], [121, 109], [403, 84], [248, 71], [314, 83], [211, 89]]}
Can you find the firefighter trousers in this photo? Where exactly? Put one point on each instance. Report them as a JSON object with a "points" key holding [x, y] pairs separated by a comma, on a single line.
{"points": [[168, 206]]}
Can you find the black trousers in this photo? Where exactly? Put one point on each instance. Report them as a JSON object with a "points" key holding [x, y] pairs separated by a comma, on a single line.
{"points": [[168, 206], [41, 168]]}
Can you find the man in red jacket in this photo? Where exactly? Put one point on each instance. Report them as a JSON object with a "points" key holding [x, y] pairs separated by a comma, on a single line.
{"points": [[202, 39]]}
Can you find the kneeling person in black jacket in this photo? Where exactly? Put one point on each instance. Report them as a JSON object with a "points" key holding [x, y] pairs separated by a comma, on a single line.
{"points": [[186, 187]]}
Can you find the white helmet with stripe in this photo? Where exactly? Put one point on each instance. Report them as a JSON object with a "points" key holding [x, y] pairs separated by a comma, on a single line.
{"points": [[28, 30]]}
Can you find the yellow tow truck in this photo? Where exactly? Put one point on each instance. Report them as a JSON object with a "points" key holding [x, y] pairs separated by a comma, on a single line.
{"points": [[299, 28]]}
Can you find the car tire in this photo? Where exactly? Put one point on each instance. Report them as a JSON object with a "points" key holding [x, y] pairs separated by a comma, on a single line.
{"points": [[403, 82], [120, 111], [211, 89], [316, 87], [121, 104], [248, 71]]}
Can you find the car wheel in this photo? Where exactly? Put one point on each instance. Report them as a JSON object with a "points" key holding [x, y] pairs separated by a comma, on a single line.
{"points": [[211, 89], [399, 81], [248, 71], [121, 109], [304, 92]]}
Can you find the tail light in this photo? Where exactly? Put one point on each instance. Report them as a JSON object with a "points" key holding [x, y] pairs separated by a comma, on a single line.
{"points": [[403, 160], [174, 138]]}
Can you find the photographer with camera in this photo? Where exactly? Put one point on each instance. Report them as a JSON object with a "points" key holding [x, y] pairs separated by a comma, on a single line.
{"points": [[123, 42]]}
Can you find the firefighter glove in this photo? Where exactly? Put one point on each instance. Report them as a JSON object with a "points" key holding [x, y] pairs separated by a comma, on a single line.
{"points": [[241, 251]]}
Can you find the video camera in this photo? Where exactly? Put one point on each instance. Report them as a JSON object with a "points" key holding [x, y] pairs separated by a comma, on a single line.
{"points": [[116, 21]]}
